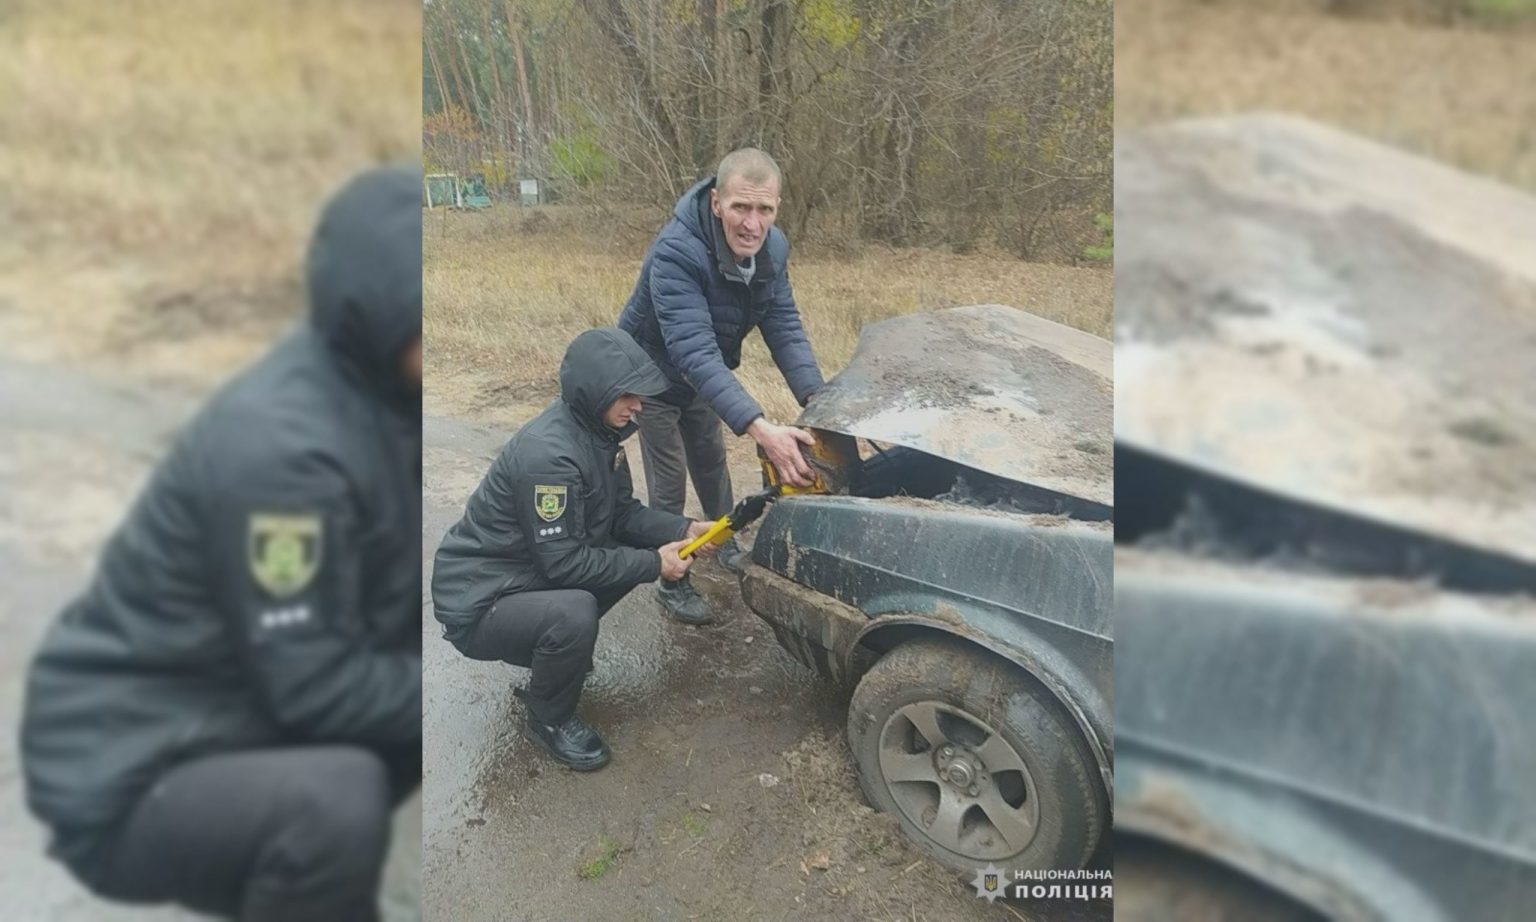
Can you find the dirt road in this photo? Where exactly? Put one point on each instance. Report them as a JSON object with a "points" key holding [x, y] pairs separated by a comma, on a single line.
{"points": [[75, 451], [729, 795]]}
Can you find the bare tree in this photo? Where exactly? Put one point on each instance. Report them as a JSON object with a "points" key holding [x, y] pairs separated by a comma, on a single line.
{"points": [[950, 122]]}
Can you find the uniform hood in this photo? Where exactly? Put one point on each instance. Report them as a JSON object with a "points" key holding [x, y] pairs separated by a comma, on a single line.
{"points": [[364, 271], [600, 366]]}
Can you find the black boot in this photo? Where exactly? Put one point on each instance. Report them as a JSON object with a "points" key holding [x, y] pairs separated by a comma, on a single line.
{"points": [[683, 602], [572, 743], [731, 556]]}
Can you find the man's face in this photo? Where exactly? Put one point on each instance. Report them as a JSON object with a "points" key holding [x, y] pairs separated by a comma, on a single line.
{"points": [[746, 210], [621, 411]]}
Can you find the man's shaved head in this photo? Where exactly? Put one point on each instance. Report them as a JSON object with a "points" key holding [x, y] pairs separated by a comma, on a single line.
{"points": [[750, 164]]}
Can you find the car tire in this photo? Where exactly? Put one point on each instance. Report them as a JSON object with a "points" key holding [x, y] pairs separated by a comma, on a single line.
{"points": [[996, 725]]}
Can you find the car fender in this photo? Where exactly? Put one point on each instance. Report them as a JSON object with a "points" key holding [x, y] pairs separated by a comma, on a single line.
{"points": [[1281, 844], [887, 630]]}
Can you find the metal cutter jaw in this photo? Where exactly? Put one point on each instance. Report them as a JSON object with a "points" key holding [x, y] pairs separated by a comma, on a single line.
{"points": [[833, 459]]}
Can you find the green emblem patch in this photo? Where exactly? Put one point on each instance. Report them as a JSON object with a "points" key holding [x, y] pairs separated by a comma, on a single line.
{"points": [[284, 551], [549, 501]]}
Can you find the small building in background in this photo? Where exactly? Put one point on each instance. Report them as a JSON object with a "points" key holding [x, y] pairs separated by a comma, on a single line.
{"points": [[448, 190], [530, 192]]}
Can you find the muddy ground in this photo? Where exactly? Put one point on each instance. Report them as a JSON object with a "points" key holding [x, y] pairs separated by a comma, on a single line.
{"points": [[730, 794], [77, 446]]}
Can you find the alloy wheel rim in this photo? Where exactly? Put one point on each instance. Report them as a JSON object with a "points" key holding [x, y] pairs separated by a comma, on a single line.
{"points": [[953, 776]]}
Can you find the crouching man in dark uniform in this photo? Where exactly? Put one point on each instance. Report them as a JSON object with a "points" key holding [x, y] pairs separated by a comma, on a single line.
{"points": [[228, 715], [553, 537]]}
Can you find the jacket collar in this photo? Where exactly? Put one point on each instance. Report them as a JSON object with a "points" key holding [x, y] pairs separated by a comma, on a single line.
{"points": [[600, 432]]}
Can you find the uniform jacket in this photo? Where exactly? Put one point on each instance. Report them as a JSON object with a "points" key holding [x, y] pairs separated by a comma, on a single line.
{"points": [[264, 589], [556, 510]]}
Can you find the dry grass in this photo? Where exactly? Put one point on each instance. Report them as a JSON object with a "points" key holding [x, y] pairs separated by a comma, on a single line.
{"points": [[507, 290], [1466, 96], [168, 157]]}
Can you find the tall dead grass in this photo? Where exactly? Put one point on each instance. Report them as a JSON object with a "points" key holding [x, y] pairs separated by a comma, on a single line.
{"points": [[1464, 95], [158, 148], [505, 291]]}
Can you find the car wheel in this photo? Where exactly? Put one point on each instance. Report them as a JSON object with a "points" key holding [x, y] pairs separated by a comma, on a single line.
{"points": [[975, 759]]}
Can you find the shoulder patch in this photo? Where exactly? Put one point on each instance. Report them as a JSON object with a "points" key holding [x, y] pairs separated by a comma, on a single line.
{"points": [[284, 550], [549, 502]]}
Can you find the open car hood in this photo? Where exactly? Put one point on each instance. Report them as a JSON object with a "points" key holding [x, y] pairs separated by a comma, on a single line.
{"points": [[987, 386], [1331, 320]]}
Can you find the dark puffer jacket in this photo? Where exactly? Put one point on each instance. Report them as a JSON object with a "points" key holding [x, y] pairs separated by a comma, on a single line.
{"points": [[690, 312], [265, 587], [557, 509]]}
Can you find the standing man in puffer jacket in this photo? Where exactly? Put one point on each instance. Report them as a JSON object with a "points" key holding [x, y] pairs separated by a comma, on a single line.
{"points": [[228, 715], [554, 536], [717, 270]]}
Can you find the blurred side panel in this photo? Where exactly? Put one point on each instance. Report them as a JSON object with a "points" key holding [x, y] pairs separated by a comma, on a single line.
{"points": [[1326, 541]]}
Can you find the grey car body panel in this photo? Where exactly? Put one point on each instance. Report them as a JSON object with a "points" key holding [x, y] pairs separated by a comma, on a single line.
{"points": [[1034, 589], [1369, 740]]}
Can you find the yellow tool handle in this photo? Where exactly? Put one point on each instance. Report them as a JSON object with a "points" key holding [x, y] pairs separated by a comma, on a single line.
{"points": [[792, 490], [719, 531]]}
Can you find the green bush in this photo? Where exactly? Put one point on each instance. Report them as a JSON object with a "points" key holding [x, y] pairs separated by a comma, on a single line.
{"points": [[1508, 9], [1103, 251], [580, 161]]}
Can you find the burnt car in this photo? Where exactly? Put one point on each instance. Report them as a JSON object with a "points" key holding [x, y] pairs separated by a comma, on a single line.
{"points": [[962, 581], [1326, 484]]}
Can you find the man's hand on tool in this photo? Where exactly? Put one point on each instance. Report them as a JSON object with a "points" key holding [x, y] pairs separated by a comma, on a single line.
{"points": [[673, 567], [697, 530], [782, 446]]}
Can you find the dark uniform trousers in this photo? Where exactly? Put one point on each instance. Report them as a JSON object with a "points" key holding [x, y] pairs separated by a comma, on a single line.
{"points": [[552, 632], [268, 835], [682, 442]]}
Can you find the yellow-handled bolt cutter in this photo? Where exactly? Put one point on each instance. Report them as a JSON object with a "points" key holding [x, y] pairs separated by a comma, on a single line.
{"points": [[828, 461], [746, 512]]}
